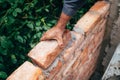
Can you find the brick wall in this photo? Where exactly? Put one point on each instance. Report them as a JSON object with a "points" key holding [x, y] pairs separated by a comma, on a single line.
{"points": [[77, 59]]}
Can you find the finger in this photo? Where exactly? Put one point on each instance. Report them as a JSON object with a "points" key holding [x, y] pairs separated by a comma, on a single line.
{"points": [[47, 37], [43, 38], [60, 41]]}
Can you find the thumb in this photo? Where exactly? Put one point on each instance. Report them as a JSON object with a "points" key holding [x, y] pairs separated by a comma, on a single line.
{"points": [[60, 41], [43, 38]]}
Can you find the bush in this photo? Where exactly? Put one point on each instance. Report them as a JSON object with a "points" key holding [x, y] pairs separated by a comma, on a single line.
{"points": [[22, 23]]}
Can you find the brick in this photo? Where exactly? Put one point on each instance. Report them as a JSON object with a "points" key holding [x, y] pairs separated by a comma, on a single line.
{"points": [[67, 69], [68, 53], [84, 44], [45, 52], [76, 40], [98, 38], [70, 77], [55, 70], [101, 7], [97, 27], [87, 22], [87, 63], [86, 69], [90, 38], [76, 63], [27, 71], [58, 78], [73, 65]]}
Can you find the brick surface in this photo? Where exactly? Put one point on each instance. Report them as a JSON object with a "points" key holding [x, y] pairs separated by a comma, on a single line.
{"points": [[76, 40], [87, 22], [99, 36], [86, 69], [68, 53], [87, 65], [55, 70], [27, 71], [101, 7], [45, 52]]}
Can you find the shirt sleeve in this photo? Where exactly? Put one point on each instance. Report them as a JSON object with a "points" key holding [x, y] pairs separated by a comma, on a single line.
{"points": [[70, 7]]}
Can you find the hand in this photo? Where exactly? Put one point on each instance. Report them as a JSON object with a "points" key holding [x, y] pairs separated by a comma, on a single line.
{"points": [[55, 33]]}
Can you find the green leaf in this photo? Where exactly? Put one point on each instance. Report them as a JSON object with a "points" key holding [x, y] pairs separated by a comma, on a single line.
{"points": [[2, 66], [30, 25], [3, 51], [32, 45], [18, 10], [3, 41], [13, 59], [49, 24], [1, 59], [3, 74], [14, 13], [46, 10], [38, 35], [2, 1], [11, 20], [22, 57], [20, 39], [38, 23], [39, 10], [53, 21]]}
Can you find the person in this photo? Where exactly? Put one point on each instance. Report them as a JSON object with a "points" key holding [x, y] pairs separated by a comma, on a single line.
{"points": [[69, 9]]}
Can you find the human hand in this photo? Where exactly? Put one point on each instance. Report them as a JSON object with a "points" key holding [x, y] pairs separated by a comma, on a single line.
{"points": [[55, 33]]}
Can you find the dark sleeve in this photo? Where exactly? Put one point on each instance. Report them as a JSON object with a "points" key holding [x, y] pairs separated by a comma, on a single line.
{"points": [[71, 6]]}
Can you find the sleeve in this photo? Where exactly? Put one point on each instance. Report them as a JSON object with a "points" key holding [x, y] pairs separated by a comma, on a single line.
{"points": [[70, 7]]}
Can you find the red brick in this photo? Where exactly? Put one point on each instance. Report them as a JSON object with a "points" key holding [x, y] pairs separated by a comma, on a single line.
{"points": [[101, 7], [82, 58], [55, 70], [98, 38], [58, 78], [70, 77], [45, 52], [87, 22], [76, 63], [76, 40], [97, 27], [85, 70], [27, 71], [86, 65], [68, 53], [88, 39], [68, 68]]}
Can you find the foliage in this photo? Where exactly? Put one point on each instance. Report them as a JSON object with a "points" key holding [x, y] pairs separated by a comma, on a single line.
{"points": [[22, 23]]}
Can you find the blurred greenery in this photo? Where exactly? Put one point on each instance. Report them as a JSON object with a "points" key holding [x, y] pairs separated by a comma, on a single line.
{"points": [[22, 23]]}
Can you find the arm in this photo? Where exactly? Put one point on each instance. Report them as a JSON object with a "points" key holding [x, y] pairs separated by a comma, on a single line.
{"points": [[69, 9], [57, 31]]}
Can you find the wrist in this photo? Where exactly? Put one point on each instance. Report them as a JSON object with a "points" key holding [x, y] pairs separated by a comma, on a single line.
{"points": [[60, 26], [62, 22]]}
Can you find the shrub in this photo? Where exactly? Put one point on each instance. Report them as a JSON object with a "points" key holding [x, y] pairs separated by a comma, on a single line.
{"points": [[22, 23]]}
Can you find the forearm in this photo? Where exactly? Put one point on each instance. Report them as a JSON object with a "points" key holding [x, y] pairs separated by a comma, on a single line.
{"points": [[69, 9], [63, 20]]}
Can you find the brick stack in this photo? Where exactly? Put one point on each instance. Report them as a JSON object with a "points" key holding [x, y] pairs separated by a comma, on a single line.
{"points": [[77, 59]]}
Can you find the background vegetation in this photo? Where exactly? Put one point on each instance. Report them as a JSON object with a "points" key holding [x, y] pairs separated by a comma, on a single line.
{"points": [[22, 23]]}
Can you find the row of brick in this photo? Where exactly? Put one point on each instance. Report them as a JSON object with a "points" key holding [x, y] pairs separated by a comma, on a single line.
{"points": [[77, 59]]}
